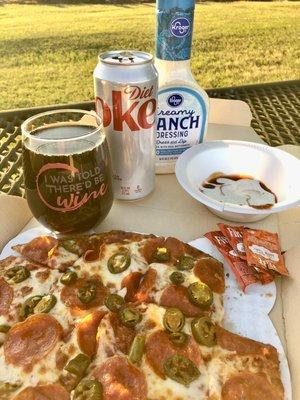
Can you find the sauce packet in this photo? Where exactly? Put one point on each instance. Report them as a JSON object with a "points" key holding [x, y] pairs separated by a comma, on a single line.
{"points": [[263, 251], [234, 235], [245, 274]]}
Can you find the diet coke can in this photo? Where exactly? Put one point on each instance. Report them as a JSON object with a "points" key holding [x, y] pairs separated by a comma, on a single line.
{"points": [[126, 98]]}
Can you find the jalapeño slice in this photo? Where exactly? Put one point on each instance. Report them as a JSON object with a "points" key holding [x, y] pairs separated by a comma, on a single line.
{"points": [[200, 294], [29, 304], [130, 317], [78, 365], [6, 387], [38, 304], [179, 338], [181, 369], [137, 349], [70, 245], [177, 278], [119, 262], [17, 274], [4, 328], [87, 292], [114, 302], [88, 389], [161, 254], [173, 320], [68, 277], [204, 331], [185, 263], [46, 303]]}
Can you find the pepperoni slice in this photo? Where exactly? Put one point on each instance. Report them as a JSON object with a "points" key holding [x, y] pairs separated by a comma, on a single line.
{"points": [[146, 286], [87, 332], [6, 296], [244, 346], [8, 261], [210, 271], [177, 296], [91, 255], [249, 386], [116, 236], [39, 249], [131, 282], [123, 335], [29, 341], [193, 252], [150, 246], [159, 348], [121, 380], [69, 295], [176, 248], [45, 392]]}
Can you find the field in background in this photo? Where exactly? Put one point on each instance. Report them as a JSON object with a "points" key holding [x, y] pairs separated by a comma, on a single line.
{"points": [[48, 52]]}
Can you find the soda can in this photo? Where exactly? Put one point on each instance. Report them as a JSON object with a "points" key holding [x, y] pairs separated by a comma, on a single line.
{"points": [[125, 85]]}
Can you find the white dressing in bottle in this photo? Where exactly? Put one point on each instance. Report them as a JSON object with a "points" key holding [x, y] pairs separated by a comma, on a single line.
{"points": [[182, 103]]}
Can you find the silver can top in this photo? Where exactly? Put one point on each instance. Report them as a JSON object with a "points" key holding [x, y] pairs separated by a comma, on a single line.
{"points": [[125, 57]]}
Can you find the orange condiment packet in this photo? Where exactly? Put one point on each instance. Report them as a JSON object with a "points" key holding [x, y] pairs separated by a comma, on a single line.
{"points": [[234, 235], [245, 274], [263, 251], [265, 277]]}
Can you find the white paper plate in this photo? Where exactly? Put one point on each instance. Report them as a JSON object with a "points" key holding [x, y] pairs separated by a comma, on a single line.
{"points": [[248, 313], [245, 314], [279, 170]]}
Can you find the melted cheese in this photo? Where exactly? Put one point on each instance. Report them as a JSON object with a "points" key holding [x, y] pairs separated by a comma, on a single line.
{"points": [[99, 267], [163, 279], [160, 389], [106, 340], [43, 371], [46, 371], [41, 287], [63, 257]]}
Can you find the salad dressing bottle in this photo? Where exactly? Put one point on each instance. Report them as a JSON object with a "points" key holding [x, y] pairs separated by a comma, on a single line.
{"points": [[182, 104]]}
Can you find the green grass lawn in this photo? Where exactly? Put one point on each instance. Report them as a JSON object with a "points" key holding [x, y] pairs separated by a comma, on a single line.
{"points": [[48, 52]]}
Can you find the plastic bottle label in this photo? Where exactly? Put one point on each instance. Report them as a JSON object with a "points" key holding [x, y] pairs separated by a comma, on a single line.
{"points": [[174, 34], [181, 122]]}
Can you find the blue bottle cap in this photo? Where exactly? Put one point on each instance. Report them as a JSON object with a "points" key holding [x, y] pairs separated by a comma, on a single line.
{"points": [[167, 4]]}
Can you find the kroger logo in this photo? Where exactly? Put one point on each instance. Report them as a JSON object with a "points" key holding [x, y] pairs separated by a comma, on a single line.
{"points": [[180, 27], [175, 100]]}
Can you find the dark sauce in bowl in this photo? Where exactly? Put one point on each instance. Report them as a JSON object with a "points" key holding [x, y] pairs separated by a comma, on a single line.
{"points": [[212, 182]]}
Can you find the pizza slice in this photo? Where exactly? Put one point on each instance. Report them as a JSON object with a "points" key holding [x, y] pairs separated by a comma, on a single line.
{"points": [[24, 284], [243, 368], [48, 251], [27, 358]]}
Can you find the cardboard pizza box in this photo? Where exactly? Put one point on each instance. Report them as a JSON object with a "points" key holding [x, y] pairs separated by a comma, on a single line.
{"points": [[169, 210]]}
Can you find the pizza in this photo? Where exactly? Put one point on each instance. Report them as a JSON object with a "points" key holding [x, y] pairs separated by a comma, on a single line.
{"points": [[123, 316]]}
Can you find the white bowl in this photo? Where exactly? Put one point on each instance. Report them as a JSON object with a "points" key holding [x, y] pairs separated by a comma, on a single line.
{"points": [[277, 169]]}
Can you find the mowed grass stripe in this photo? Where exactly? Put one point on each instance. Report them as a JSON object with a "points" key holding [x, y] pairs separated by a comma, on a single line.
{"points": [[48, 52]]}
